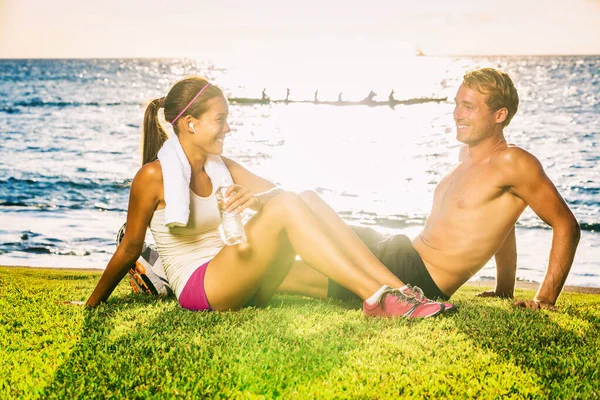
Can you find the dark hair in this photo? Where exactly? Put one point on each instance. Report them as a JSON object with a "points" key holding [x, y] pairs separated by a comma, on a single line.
{"points": [[499, 88], [178, 98]]}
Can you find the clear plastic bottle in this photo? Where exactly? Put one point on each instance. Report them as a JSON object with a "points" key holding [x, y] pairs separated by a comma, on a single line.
{"points": [[232, 226]]}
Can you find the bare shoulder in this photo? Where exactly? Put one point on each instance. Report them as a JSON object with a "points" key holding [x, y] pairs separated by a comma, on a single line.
{"points": [[151, 171], [514, 156], [242, 176], [234, 167], [149, 176], [229, 163], [517, 163]]}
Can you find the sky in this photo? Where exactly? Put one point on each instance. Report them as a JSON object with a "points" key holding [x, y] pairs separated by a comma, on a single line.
{"points": [[295, 31]]}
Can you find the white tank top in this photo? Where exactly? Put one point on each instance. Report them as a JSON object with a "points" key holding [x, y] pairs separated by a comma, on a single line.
{"points": [[184, 249]]}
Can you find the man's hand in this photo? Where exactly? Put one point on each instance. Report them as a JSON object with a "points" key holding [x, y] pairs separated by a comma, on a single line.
{"points": [[535, 304], [494, 293]]}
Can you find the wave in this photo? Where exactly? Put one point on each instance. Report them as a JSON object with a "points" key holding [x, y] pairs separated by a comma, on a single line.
{"points": [[63, 184], [40, 249], [404, 221], [390, 221], [586, 189], [590, 227], [61, 194], [36, 102], [10, 110]]}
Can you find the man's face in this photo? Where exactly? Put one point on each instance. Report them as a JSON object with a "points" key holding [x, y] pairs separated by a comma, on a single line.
{"points": [[475, 121]]}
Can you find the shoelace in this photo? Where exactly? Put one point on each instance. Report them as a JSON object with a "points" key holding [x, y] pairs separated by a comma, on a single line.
{"points": [[418, 294], [399, 294]]}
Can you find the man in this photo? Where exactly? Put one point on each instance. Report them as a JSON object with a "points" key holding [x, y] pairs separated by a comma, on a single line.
{"points": [[475, 208]]}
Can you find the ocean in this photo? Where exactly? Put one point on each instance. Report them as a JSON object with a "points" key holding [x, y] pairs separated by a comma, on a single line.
{"points": [[70, 134]]}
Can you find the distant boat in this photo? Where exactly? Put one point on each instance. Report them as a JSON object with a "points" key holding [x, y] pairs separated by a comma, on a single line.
{"points": [[248, 100], [419, 52], [364, 102]]}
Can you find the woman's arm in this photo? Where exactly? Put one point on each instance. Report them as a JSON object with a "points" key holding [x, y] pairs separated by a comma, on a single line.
{"points": [[146, 192], [259, 188]]}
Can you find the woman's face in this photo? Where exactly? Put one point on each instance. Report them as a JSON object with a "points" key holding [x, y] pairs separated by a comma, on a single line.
{"points": [[212, 126]]}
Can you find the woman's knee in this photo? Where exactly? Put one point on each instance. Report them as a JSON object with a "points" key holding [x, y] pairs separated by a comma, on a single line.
{"points": [[282, 203], [311, 198]]}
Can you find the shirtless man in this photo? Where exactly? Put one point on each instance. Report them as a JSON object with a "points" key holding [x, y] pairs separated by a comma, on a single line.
{"points": [[475, 208]]}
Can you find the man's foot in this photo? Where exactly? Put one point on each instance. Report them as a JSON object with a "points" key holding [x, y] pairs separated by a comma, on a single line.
{"points": [[418, 294], [396, 303]]}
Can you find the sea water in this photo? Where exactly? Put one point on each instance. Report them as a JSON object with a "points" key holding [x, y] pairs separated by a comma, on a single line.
{"points": [[70, 135]]}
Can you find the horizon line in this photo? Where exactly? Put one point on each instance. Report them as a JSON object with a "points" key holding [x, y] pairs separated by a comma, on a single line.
{"points": [[213, 59]]}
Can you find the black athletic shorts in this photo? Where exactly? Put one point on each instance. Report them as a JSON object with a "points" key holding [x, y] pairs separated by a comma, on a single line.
{"points": [[399, 256]]}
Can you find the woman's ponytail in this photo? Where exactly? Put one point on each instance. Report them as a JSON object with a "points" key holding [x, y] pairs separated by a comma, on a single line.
{"points": [[154, 136]]}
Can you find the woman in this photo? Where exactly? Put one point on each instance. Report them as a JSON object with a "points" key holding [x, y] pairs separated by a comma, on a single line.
{"points": [[207, 275]]}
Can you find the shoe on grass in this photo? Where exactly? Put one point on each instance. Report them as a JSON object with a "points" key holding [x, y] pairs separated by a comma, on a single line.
{"points": [[137, 282], [418, 294], [395, 303], [148, 275]]}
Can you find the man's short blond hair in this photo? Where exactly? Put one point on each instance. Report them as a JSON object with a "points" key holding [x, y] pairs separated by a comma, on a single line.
{"points": [[497, 86]]}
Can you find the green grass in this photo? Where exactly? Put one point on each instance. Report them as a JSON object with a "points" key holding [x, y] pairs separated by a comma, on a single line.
{"points": [[140, 347]]}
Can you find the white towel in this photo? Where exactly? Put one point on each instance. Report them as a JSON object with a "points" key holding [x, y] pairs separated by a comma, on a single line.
{"points": [[177, 174], [217, 171]]}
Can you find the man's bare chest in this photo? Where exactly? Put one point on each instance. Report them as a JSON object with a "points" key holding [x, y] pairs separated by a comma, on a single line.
{"points": [[468, 187]]}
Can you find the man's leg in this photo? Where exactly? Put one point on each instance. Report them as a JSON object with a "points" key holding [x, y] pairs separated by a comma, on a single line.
{"points": [[306, 281], [395, 252]]}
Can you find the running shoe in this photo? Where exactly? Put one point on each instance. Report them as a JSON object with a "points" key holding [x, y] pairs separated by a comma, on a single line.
{"points": [[147, 276], [396, 303], [417, 292], [137, 282]]}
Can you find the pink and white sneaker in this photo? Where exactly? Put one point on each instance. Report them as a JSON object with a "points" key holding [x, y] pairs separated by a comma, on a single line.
{"points": [[397, 303], [417, 292]]}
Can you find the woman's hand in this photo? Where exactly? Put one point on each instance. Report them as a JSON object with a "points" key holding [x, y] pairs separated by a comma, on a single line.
{"points": [[239, 198]]}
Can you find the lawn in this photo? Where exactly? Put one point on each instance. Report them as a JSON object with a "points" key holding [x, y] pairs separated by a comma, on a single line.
{"points": [[141, 347]]}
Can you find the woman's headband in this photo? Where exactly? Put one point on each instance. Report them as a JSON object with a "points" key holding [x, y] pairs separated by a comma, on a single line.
{"points": [[190, 103]]}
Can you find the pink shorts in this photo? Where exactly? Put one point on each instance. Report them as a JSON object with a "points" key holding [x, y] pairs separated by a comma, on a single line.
{"points": [[193, 296]]}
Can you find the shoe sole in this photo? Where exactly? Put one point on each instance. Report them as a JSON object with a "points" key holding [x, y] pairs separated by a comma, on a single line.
{"points": [[451, 310], [439, 312], [140, 283]]}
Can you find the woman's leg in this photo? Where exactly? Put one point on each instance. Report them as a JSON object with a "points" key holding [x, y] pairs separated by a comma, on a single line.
{"points": [[348, 241], [304, 280], [276, 272], [237, 272]]}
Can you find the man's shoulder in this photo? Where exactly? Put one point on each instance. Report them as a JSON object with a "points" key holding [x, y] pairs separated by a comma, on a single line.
{"points": [[516, 162], [512, 156]]}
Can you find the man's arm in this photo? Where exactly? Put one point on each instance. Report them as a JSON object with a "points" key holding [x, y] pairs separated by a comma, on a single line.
{"points": [[530, 183], [506, 269]]}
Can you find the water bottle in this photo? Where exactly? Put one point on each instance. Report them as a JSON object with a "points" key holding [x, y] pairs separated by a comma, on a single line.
{"points": [[232, 227]]}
